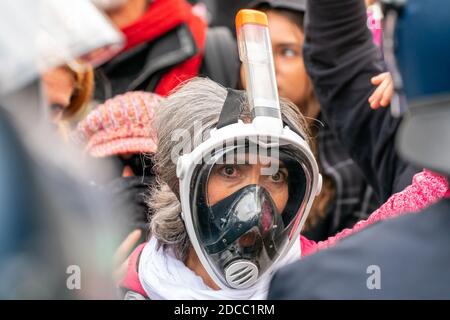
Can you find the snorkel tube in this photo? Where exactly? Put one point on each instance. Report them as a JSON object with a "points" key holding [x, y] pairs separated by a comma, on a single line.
{"points": [[255, 53]]}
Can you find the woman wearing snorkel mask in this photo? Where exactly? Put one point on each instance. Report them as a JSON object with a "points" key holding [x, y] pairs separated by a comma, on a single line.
{"points": [[236, 181], [236, 223]]}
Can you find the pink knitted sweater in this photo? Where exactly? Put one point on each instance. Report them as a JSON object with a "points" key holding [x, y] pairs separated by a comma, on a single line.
{"points": [[427, 188]]}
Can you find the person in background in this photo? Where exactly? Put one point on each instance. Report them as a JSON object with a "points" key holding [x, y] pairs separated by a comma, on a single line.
{"points": [[68, 90], [408, 257], [52, 224], [121, 127], [164, 46], [120, 132], [346, 196], [167, 43]]}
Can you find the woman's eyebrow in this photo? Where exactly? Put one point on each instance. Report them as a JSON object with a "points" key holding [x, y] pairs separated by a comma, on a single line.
{"points": [[288, 44]]}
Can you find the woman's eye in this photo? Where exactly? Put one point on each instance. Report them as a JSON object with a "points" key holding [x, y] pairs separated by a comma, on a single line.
{"points": [[290, 53], [229, 170], [279, 177], [276, 177]]}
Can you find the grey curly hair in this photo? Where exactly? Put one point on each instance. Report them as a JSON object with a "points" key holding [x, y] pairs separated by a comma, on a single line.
{"points": [[198, 101]]}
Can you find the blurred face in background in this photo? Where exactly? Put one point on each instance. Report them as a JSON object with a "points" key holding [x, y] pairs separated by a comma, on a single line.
{"points": [[287, 45], [68, 91], [59, 85]]}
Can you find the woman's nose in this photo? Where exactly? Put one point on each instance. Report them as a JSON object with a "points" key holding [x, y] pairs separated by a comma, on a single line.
{"points": [[248, 239], [254, 175]]}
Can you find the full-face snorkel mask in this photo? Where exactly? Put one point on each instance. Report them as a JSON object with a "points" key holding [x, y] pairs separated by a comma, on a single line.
{"points": [[246, 191]]}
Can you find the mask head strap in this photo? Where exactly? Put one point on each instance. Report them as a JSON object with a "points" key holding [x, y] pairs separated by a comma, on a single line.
{"points": [[232, 109]]}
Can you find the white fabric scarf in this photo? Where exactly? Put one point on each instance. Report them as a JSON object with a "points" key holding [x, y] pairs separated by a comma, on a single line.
{"points": [[164, 277]]}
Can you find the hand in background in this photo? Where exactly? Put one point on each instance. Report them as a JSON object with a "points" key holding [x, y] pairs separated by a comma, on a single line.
{"points": [[383, 93], [121, 256]]}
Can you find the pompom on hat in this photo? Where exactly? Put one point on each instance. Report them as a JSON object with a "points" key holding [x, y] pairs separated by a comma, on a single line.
{"points": [[121, 125]]}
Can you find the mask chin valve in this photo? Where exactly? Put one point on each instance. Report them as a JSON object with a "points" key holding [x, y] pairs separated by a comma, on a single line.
{"points": [[241, 274]]}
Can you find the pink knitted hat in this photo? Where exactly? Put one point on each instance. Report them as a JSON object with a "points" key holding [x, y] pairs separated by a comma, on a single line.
{"points": [[121, 125]]}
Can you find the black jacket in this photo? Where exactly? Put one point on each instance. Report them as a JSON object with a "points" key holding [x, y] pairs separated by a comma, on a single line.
{"points": [[341, 58], [409, 255], [142, 67]]}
